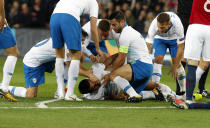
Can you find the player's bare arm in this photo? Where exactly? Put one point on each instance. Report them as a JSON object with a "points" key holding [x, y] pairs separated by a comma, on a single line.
{"points": [[149, 46], [2, 15], [94, 32], [177, 60]]}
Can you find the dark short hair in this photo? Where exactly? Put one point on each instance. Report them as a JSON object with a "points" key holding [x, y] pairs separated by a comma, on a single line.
{"points": [[104, 25], [84, 86], [118, 15], [84, 33], [163, 18]]}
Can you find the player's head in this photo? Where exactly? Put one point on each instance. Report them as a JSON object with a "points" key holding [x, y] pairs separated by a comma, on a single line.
{"points": [[117, 21], [163, 22], [104, 29], [84, 35], [87, 86]]}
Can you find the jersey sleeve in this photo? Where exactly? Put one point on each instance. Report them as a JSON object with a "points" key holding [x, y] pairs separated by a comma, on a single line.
{"points": [[93, 5], [152, 31], [179, 30], [124, 41]]}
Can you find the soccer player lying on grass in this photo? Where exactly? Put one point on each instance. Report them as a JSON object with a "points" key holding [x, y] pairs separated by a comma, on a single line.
{"points": [[111, 91]]}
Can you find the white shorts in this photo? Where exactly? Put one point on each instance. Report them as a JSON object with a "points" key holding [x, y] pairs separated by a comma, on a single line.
{"points": [[197, 42]]}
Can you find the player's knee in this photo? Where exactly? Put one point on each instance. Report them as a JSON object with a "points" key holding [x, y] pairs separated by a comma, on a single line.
{"points": [[159, 59], [30, 95], [192, 62], [112, 77], [75, 55], [31, 92]]}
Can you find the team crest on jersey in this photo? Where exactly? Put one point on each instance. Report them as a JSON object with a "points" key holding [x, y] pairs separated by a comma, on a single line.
{"points": [[34, 80]]}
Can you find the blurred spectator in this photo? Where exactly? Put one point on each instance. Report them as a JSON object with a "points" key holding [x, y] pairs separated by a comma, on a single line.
{"points": [[149, 19], [157, 9], [13, 15], [38, 14], [136, 10], [24, 19], [130, 18], [140, 24], [125, 7]]}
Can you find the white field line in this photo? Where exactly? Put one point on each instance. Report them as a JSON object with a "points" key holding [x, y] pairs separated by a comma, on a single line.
{"points": [[42, 105], [88, 107]]}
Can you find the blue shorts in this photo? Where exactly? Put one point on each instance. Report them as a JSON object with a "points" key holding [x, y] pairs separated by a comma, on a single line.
{"points": [[7, 39], [34, 76], [142, 73], [92, 47], [65, 28], [161, 46]]}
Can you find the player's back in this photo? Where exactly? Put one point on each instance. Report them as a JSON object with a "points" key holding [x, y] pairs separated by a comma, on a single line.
{"points": [[77, 7], [41, 53], [200, 13], [137, 48]]}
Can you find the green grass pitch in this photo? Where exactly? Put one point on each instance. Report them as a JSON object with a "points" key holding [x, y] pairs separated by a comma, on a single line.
{"points": [[24, 114]]}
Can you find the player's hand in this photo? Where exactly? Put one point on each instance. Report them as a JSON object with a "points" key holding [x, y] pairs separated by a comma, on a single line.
{"points": [[105, 79], [94, 79], [173, 72], [102, 57], [93, 58]]}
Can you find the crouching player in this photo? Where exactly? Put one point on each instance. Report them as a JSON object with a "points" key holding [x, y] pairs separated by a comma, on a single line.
{"points": [[134, 76], [38, 60]]}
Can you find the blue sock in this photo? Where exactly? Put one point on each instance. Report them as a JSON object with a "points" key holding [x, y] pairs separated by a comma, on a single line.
{"points": [[199, 105], [190, 81]]}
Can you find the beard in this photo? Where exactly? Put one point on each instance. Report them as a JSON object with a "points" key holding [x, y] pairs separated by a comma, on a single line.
{"points": [[119, 30]]}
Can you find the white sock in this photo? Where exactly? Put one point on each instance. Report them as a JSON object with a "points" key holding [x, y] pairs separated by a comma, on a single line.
{"points": [[199, 73], [181, 78], [157, 69], [18, 91], [148, 95], [59, 70], [72, 76], [66, 69], [8, 70], [125, 85]]}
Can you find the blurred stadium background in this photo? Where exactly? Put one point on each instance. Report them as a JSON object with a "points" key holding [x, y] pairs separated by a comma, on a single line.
{"points": [[29, 19]]}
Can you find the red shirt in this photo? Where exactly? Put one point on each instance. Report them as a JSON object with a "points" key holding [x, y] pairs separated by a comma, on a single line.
{"points": [[200, 13]]}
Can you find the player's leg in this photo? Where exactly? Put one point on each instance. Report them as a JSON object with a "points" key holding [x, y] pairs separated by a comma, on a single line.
{"points": [[160, 51], [178, 92], [201, 86], [193, 48], [206, 52], [176, 52], [17, 91], [73, 73], [59, 70], [8, 42], [203, 65], [58, 44], [31, 92], [9, 66], [121, 78], [72, 35]]}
